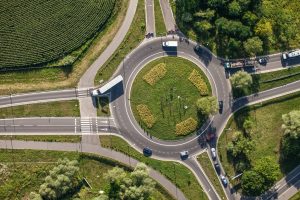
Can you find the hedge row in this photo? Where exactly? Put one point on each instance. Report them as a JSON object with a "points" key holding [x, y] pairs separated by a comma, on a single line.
{"points": [[186, 126], [155, 74], [198, 82], [146, 115]]}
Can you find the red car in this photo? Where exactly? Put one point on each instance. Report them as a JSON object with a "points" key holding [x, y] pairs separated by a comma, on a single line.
{"points": [[210, 136]]}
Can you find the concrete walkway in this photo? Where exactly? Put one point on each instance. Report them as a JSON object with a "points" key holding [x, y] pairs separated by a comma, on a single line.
{"points": [[94, 149]]}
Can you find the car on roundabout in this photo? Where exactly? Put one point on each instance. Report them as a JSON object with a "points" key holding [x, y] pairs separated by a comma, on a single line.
{"points": [[147, 151], [184, 155]]}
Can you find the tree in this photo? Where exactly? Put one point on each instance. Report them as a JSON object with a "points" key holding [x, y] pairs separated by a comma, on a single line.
{"points": [[268, 168], [250, 18], [243, 146], [291, 124], [203, 26], [187, 17], [248, 126], [234, 8], [290, 148], [138, 185], [207, 14], [241, 80], [253, 46], [61, 180], [252, 183], [264, 28], [207, 105]]}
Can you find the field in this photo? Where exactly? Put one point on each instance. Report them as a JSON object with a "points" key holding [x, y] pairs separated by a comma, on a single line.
{"points": [[169, 102], [50, 109], [177, 173], [269, 80], [39, 31], [267, 133], [26, 169]]}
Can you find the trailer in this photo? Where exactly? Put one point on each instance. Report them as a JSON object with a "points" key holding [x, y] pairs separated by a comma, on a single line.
{"points": [[107, 86], [233, 64], [170, 44]]}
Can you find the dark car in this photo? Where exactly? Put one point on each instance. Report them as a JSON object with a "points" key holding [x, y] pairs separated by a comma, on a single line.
{"points": [[147, 151], [221, 106], [217, 167], [263, 61], [198, 49]]}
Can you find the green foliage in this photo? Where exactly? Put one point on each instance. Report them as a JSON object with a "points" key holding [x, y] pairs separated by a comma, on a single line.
{"points": [[253, 46], [39, 31], [248, 126], [240, 145], [264, 28], [241, 80], [290, 148], [203, 26], [138, 185], [207, 105], [234, 8], [261, 177], [291, 124], [61, 180]]}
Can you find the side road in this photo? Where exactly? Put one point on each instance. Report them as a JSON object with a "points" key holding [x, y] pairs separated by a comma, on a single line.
{"points": [[93, 149]]}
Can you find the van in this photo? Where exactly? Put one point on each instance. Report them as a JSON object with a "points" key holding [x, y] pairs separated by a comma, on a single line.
{"points": [[170, 44]]}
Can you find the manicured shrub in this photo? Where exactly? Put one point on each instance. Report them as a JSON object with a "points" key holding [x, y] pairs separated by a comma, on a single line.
{"points": [[146, 115], [198, 82], [186, 126], [155, 74]]}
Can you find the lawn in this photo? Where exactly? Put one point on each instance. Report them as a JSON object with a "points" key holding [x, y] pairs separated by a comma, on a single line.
{"points": [[134, 37], [169, 102], [26, 169], [68, 108], [65, 75], [160, 27], [266, 135], [296, 196], [210, 172], [44, 138], [266, 81], [177, 173]]}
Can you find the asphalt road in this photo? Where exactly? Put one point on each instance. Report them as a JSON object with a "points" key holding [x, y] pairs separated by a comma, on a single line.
{"points": [[150, 18], [167, 15]]}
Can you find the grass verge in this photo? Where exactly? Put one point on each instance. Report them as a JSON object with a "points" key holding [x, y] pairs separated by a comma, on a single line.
{"points": [[266, 81], [49, 109], [160, 27], [296, 196], [177, 173], [43, 138], [64, 77], [267, 133], [169, 102], [25, 170], [133, 38], [103, 106], [209, 170]]}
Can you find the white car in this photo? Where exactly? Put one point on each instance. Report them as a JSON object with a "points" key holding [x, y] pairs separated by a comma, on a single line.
{"points": [[213, 153], [184, 154]]}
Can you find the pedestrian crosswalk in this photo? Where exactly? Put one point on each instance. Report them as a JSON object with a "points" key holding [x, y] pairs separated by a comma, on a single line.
{"points": [[86, 125]]}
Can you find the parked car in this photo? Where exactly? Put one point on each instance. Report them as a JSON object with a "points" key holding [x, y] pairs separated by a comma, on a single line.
{"points": [[221, 106], [213, 153], [224, 180], [217, 167], [184, 155], [147, 151]]}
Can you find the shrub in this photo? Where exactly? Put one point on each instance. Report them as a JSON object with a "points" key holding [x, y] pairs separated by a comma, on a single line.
{"points": [[186, 126], [156, 73], [198, 82], [146, 115]]}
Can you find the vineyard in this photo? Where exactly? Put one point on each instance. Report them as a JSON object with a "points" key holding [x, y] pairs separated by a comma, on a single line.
{"points": [[38, 31]]}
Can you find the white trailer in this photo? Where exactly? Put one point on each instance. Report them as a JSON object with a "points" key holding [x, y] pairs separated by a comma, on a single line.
{"points": [[107, 86], [170, 44]]}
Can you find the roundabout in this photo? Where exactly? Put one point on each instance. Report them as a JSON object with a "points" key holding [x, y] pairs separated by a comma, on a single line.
{"points": [[170, 99]]}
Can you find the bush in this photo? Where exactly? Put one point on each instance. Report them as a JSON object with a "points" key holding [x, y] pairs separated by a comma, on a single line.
{"points": [[156, 73], [146, 115], [198, 82], [186, 126]]}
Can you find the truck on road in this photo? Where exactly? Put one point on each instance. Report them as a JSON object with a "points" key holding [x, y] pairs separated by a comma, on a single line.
{"points": [[170, 44], [291, 54], [107, 86], [240, 63]]}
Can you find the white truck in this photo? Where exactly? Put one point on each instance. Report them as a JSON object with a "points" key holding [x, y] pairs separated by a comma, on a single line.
{"points": [[291, 54], [107, 86], [170, 44]]}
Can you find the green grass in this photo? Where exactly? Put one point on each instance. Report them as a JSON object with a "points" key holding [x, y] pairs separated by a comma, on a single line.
{"points": [[26, 170], [162, 98], [44, 138], [133, 38], [296, 196], [266, 135], [160, 27], [177, 173], [210, 172], [103, 106], [266, 81], [50, 109]]}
